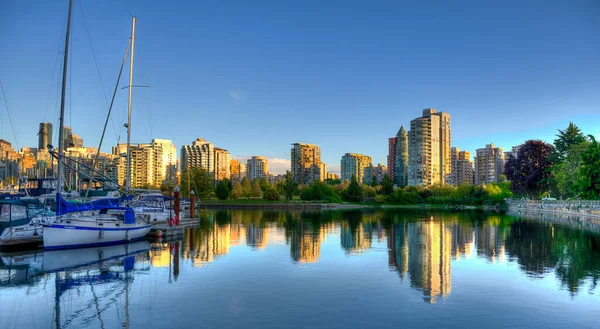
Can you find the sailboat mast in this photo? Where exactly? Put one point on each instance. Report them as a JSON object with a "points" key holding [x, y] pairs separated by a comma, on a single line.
{"points": [[61, 124], [128, 171]]}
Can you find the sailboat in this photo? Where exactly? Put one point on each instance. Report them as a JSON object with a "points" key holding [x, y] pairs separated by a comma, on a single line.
{"points": [[113, 224]]}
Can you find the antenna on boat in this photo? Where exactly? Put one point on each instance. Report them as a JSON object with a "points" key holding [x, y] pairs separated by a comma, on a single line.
{"points": [[62, 104], [128, 169]]}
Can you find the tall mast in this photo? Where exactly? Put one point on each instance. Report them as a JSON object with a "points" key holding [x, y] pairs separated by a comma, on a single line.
{"points": [[128, 171], [61, 145]]}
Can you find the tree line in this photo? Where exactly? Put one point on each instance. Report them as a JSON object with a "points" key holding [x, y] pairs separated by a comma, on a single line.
{"points": [[568, 169]]}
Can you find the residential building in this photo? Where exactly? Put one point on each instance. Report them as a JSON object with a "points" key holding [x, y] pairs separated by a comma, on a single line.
{"points": [[198, 155], [222, 164], [77, 141], [237, 170], [429, 149], [306, 163], [489, 164], [45, 135], [67, 137], [151, 164], [391, 158], [354, 164], [10, 160], [257, 167], [375, 171], [333, 176], [165, 161], [400, 175], [397, 161], [462, 168]]}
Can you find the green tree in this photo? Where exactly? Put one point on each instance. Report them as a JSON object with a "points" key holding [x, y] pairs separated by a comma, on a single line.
{"points": [[374, 181], [289, 186], [222, 191], [264, 184], [271, 195], [255, 190], [589, 171], [566, 172], [354, 191], [246, 187], [201, 182], [167, 187], [319, 191], [387, 185], [237, 191], [566, 140]]}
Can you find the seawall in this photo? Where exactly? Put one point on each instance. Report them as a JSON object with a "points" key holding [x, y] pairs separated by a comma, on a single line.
{"points": [[577, 208]]}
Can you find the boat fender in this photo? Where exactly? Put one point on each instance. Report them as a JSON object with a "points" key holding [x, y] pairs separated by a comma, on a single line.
{"points": [[101, 234], [127, 235]]}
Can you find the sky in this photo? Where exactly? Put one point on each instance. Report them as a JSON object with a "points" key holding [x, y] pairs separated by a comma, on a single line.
{"points": [[254, 77]]}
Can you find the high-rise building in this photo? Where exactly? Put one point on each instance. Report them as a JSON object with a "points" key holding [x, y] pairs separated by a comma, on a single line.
{"points": [[391, 158], [165, 161], [354, 164], [151, 164], [198, 155], [489, 164], [375, 171], [237, 170], [45, 135], [257, 167], [400, 175], [397, 160], [462, 168], [222, 164], [429, 149], [77, 141], [67, 137], [306, 163]]}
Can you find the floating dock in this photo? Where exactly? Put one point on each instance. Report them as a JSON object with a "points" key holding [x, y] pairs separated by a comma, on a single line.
{"points": [[173, 231]]}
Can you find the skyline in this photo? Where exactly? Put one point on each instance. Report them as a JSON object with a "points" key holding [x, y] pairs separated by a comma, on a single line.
{"points": [[347, 83]]}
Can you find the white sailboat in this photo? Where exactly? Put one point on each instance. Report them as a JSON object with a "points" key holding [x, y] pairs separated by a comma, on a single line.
{"points": [[113, 225]]}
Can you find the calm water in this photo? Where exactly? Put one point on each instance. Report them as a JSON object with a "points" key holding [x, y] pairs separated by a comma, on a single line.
{"points": [[250, 269]]}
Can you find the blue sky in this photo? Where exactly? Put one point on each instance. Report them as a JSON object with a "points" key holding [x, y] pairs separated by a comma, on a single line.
{"points": [[255, 76]]}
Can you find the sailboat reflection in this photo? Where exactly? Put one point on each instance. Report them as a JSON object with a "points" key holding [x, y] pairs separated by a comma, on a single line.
{"points": [[94, 267], [106, 272]]}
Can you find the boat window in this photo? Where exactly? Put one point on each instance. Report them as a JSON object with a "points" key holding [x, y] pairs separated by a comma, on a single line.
{"points": [[18, 212], [5, 213], [50, 183], [50, 203], [32, 184]]}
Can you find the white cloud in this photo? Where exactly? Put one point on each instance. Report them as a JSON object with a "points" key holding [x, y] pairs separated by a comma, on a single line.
{"points": [[237, 96], [334, 169]]}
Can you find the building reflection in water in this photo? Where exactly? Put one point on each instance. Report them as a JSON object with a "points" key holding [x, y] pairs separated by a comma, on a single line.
{"points": [[305, 241], [256, 236]]}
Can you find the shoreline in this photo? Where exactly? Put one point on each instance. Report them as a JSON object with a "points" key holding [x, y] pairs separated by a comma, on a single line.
{"points": [[330, 206]]}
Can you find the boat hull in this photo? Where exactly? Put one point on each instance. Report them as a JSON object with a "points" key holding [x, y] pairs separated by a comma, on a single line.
{"points": [[80, 235], [20, 235]]}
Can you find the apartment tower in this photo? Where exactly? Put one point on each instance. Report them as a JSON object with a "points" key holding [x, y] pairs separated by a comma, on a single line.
{"points": [[306, 163], [429, 149]]}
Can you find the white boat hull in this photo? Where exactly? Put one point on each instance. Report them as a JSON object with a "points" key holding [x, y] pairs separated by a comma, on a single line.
{"points": [[24, 234], [66, 234]]}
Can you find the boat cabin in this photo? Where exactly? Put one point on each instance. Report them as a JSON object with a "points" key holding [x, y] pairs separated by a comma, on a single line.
{"points": [[38, 186]]}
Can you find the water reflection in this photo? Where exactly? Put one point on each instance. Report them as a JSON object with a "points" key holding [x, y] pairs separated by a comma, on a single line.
{"points": [[421, 248]]}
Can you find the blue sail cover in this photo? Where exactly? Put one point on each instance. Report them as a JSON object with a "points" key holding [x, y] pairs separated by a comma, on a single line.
{"points": [[64, 207]]}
